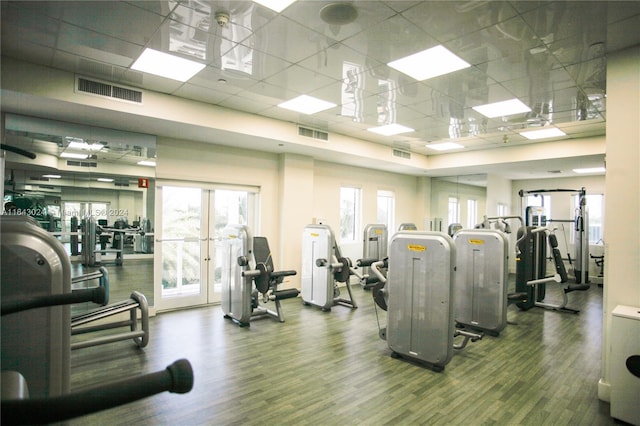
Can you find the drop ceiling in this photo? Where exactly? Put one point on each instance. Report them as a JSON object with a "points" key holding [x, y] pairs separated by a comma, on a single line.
{"points": [[549, 55]]}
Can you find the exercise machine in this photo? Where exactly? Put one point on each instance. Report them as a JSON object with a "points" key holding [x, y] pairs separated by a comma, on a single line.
{"points": [[36, 330], [580, 222], [481, 279], [137, 302], [374, 247], [407, 227], [323, 267], [418, 295], [91, 256], [501, 224], [453, 228], [531, 269], [249, 280]]}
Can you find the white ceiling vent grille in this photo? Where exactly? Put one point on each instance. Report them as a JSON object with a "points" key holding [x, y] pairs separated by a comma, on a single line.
{"points": [[401, 154], [312, 133], [107, 90]]}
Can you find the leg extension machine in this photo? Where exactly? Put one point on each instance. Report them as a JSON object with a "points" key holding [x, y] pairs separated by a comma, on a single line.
{"points": [[323, 267]]}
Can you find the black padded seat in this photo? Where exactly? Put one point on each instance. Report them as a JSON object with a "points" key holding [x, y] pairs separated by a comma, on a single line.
{"points": [[271, 280], [560, 269]]}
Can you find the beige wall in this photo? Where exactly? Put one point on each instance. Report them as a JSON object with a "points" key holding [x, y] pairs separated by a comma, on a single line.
{"points": [[294, 190], [329, 177]]}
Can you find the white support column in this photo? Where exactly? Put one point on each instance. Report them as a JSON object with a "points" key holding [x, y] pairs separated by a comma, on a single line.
{"points": [[622, 196], [296, 209]]}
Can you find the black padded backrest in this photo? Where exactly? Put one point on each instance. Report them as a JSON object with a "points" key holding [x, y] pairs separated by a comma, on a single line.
{"points": [[261, 251], [557, 259]]}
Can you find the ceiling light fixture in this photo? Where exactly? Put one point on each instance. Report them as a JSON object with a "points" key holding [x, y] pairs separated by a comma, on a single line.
{"points": [[74, 155], [165, 65], [85, 146], [502, 108], [52, 176], [338, 13], [149, 163], [543, 133], [391, 129], [306, 104], [590, 170], [444, 146], [429, 63], [275, 5], [104, 180]]}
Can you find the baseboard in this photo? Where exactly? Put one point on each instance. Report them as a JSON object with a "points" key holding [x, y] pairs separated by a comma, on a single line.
{"points": [[604, 391]]}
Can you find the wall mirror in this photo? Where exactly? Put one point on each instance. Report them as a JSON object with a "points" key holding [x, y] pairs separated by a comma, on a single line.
{"points": [[457, 201], [94, 190]]}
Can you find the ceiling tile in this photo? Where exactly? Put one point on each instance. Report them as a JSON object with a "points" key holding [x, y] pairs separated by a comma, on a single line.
{"points": [[391, 39], [450, 20], [93, 45]]}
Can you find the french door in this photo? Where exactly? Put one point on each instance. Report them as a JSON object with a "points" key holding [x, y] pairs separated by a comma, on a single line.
{"points": [[190, 220]]}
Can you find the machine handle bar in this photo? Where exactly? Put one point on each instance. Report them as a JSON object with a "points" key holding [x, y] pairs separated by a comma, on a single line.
{"points": [[96, 295], [176, 378], [375, 267]]}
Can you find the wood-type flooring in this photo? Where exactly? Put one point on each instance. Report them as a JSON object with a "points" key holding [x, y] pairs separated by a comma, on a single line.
{"points": [[331, 368]]}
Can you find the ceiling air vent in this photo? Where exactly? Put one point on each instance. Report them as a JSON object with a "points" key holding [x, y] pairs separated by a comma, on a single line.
{"points": [[311, 133], [401, 154], [107, 90], [81, 163]]}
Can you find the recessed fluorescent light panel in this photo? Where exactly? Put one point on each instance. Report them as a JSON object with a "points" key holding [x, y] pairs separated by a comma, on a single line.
{"points": [[166, 65], [390, 129], [52, 176], [306, 104], [543, 134], [149, 163], [503, 108], [590, 170], [275, 5], [85, 146], [74, 155], [445, 146], [105, 180], [429, 63]]}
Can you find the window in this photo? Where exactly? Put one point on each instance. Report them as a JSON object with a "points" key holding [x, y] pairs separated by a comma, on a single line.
{"points": [[349, 213], [472, 213], [230, 207], [534, 217], [454, 210], [386, 209], [595, 209]]}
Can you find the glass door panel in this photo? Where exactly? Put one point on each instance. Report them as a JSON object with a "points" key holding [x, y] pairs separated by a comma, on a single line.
{"points": [[189, 241], [181, 241], [230, 207]]}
